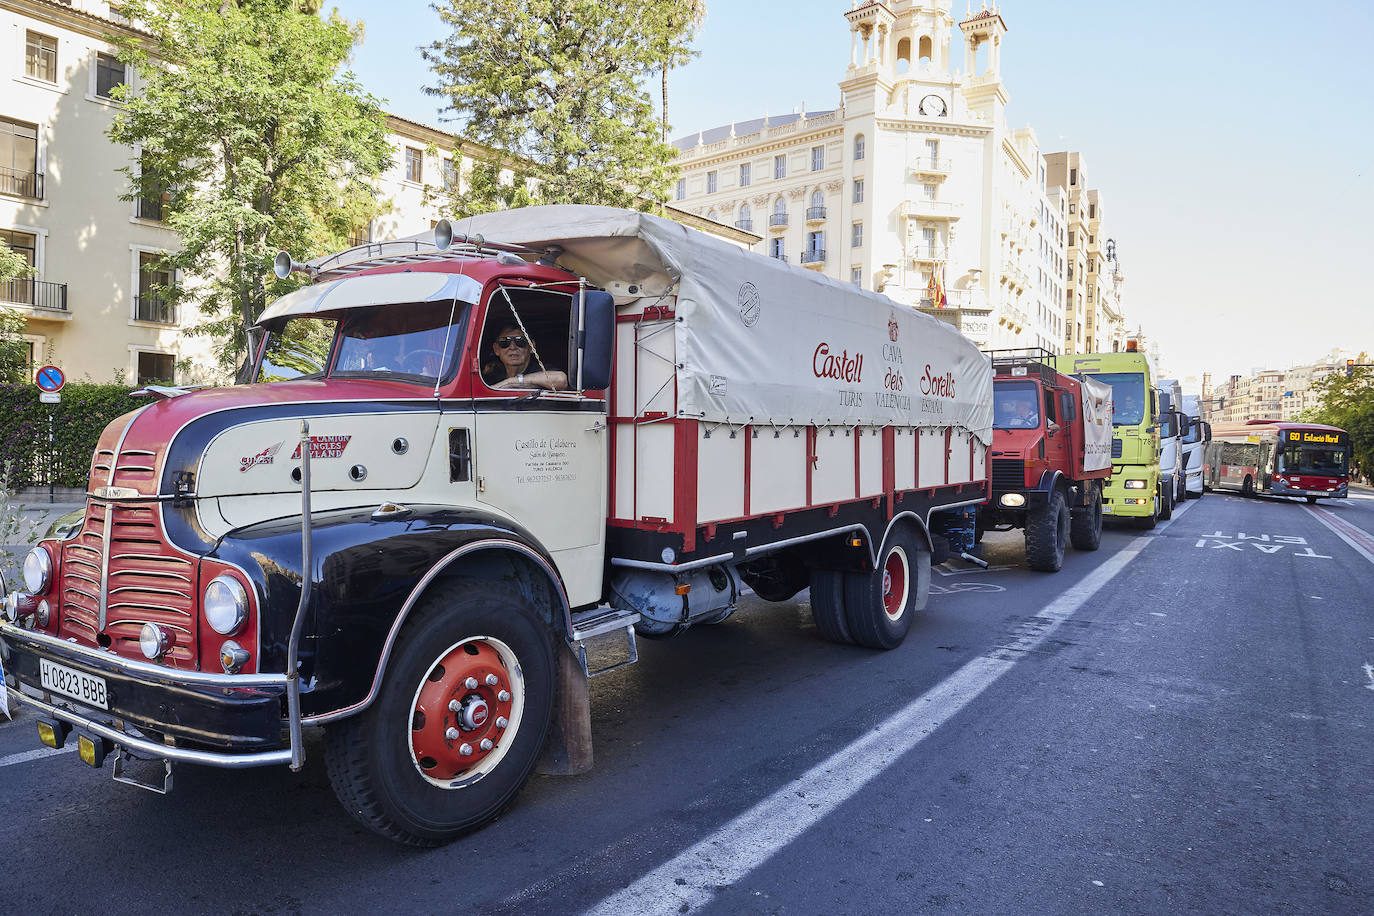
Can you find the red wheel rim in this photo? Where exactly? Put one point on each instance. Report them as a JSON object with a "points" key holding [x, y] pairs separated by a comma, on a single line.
{"points": [[896, 583], [466, 712]]}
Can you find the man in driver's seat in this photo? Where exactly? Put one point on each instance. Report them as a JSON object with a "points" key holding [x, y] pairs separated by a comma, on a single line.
{"points": [[512, 369]]}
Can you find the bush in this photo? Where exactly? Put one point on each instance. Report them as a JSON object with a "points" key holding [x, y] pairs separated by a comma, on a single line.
{"points": [[79, 420]]}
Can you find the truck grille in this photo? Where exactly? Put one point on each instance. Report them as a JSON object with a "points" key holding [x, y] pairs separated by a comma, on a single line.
{"points": [[1116, 449], [148, 582], [1008, 474]]}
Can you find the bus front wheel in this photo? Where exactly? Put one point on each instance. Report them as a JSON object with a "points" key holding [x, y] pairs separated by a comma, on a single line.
{"points": [[1247, 489]]}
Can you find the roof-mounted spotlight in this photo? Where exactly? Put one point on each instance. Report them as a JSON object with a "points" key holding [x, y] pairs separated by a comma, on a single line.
{"points": [[283, 266]]}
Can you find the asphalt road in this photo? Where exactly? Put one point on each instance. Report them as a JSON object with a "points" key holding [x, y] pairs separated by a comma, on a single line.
{"points": [[1180, 722]]}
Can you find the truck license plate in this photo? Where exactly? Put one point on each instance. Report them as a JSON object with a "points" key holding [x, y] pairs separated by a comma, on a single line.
{"points": [[78, 685]]}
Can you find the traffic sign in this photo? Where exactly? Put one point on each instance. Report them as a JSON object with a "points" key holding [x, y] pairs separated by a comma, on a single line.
{"points": [[50, 378]]}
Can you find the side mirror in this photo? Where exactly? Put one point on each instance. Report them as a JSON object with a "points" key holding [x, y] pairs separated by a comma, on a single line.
{"points": [[597, 344]]}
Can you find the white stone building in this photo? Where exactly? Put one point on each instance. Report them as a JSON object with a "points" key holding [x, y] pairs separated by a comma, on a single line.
{"points": [[916, 174]]}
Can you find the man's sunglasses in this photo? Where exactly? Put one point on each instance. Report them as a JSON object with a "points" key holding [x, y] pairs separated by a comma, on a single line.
{"points": [[506, 342]]}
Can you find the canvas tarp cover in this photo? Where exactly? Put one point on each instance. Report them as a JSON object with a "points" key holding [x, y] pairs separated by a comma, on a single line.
{"points": [[759, 341], [1097, 424]]}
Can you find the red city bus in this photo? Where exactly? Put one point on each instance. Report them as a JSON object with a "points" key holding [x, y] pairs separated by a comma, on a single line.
{"points": [[1278, 459]]}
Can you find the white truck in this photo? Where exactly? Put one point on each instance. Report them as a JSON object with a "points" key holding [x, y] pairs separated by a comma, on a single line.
{"points": [[1172, 427], [1199, 433], [454, 462]]}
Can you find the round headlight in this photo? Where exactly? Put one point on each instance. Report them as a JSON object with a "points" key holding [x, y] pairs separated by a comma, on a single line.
{"points": [[1013, 500], [44, 613], [226, 605], [37, 571], [153, 641]]}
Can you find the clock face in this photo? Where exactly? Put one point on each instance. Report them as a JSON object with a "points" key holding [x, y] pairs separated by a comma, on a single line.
{"points": [[933, 105]]}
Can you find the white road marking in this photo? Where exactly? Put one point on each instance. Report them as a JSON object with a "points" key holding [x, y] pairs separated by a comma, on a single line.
{"points": [[689, 880], [37, 754], [1359, 541], [1369, 672]]}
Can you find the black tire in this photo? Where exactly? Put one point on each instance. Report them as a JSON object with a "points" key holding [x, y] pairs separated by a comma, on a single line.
{"points": [[1146, 523], [880, 604], [1166, 501], [1047, 531], [371, 759], [827, 605], [1311, 500], [1085, 529], [1247, 489]]}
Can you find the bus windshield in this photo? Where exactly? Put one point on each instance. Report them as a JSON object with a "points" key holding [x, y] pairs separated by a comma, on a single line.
{"points": [[1128, 396], [1314, 459]]}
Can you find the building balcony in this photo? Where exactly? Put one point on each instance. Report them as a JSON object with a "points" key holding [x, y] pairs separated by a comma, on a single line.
{"points": [[926, 166], [21, 182], [779, 257], [746, 224], [938, 210], [816, 256], [930, 254], [39, 295], [777, 221], [815, 214], [154, 308]]}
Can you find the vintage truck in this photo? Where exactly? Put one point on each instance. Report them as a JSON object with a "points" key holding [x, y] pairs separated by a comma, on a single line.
{"points": [[1051, 455], [453, 462]]}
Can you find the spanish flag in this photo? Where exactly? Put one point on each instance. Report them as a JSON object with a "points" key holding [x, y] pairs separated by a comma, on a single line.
{"points": [[937, 279]]}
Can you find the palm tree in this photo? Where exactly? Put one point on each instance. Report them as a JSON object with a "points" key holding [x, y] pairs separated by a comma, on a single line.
{"points": [[684, 21]]}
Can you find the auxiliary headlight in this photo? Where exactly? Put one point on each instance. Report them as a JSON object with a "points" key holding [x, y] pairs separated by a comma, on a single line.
{"points": [[1135, 484], [153, 641], [1012, 500], [226, 605], [37, 571]]}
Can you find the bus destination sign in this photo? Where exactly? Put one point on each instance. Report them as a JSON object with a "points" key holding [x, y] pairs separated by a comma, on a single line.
{"points": [[1315, 438]]}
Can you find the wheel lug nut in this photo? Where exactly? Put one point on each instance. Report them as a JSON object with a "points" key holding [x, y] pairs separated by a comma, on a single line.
{"points": [[486, 744], [455, 706], [470, 683], [491, 680], [451, 734], [501, 722], [465, 750], [504, 696]]}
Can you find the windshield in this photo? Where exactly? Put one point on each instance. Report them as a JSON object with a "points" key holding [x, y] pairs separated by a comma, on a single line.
{"points": [[299, 349], [1128, 396], [1314, 459], [1014, 405], [1194, 433]]}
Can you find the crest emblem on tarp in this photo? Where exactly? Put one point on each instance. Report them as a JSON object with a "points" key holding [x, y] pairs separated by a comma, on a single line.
{"points": [[750, 304]]}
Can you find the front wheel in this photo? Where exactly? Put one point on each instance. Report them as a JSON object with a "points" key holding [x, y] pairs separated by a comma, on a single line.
{"points": [[1047, 530], [1311, 500], [1247, 489], [458, 724], [879, 604]]}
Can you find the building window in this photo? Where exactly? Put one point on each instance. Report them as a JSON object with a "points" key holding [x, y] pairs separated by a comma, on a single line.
{"points": [[1092, 211], [154, 193], [712, 215], [19, 173], [815, 244], [775, 249], [928, 240], [859, 147], [40, 57], [856, 237], [817, 208], [779, 217], [744, 175], [746, 218], [1073, 179], [415, 161], [450, 175], [856, 276], [817, 158], [109, 74], [681, 188], [933, 150], [711, 184], [154, 301], [19, 290], [1071, 245], [929, 191], [780, 166], [156, 367], [858, 190]]}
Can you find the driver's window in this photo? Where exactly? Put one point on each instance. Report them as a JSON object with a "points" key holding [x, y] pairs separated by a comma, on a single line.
{"points": [[1049, 407], [299, 347], [525, 342]]}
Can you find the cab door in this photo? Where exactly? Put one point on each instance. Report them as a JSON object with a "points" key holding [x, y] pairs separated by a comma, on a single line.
{"points": [[1057, 434]]}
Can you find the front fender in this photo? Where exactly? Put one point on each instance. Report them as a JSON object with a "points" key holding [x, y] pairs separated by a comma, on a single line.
{"points": [[366, 573]]}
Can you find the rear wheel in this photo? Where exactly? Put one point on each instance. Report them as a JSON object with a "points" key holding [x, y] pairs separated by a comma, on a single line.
{"points": [[1311, 500], [458, 724], [1166, 501], [879, 604], [1085, 529], [827, 605], [1047, 530]]}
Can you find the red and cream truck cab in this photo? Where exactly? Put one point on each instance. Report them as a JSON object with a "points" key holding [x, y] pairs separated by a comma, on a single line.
{"points": [[1051, 454], [453, 461]]}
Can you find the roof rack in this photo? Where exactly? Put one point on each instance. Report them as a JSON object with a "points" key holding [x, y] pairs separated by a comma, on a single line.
{"points": [[1026, 361]]}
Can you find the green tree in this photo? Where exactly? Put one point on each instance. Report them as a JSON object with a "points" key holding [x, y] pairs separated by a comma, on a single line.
{"points": [[14, 352], [264, 141], [1349, 404], [556, 87], [673, 47]]}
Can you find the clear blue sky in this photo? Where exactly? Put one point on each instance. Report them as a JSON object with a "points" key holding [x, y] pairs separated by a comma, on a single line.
{"points": [[1233, 143]]}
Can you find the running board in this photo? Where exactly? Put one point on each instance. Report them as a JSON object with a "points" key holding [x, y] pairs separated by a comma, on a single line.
{"points": [[599, 622], [122, 757]]}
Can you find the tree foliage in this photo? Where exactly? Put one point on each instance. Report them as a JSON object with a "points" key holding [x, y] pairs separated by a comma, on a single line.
{"points": [[263, 140], [14, 363], [557, 87], [1349, 404]]}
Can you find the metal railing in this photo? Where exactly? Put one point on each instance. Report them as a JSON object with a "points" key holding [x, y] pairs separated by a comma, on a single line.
{"points": [[746, 224], [779, 257], [815, 212], [154, 308], [813, 256], [934, 165], [777, 219], [931, 253], [39, 294], [21, 182]]}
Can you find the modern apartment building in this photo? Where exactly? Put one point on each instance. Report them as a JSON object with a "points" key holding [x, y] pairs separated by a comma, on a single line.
{"points": [[914, 178], [1095, 320], [1272, 394]]}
